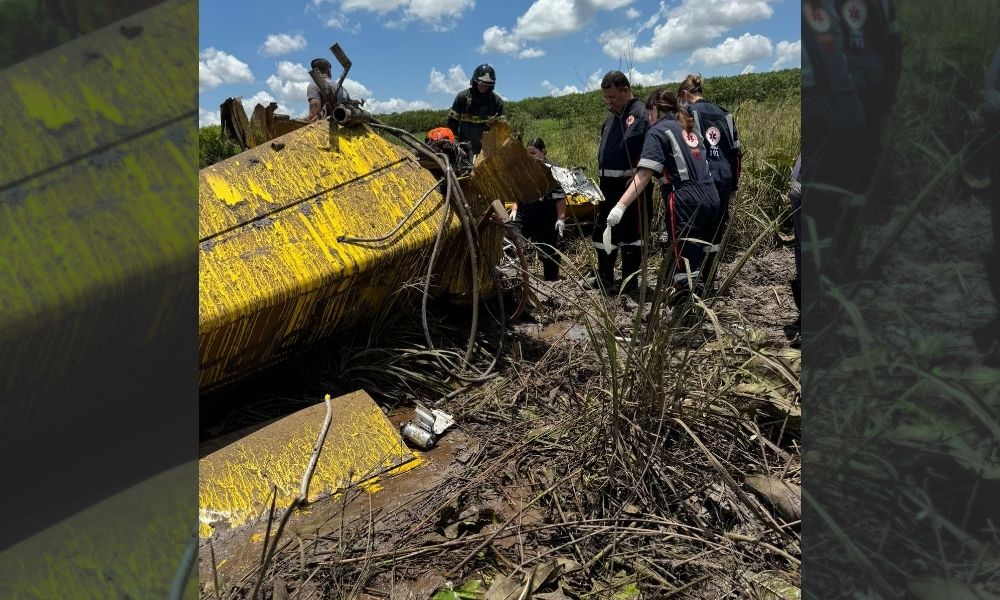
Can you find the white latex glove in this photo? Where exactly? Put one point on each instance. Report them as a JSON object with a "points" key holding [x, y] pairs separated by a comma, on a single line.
{"points": [[513, 215], [616, 214], [561, 226]]}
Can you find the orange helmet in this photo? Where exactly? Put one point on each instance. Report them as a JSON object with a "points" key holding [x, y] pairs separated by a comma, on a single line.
{"points": [[440, 134]]}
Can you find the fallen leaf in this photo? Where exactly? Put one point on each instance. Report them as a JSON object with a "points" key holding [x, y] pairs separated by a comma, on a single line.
{"points": [[784, 496]]}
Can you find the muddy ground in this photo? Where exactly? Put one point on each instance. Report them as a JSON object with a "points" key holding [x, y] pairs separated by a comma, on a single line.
{"points": [[562, 476]]}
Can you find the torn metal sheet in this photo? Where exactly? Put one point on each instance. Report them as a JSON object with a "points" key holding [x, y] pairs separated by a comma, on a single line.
{"points": [[503, 157], [236, 481]]}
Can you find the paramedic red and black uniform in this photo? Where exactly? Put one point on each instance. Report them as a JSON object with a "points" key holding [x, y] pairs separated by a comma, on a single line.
{"points": [[833, 135], [538, 224], [873, 47], [622, 139], [689, 193], [722, 143]]}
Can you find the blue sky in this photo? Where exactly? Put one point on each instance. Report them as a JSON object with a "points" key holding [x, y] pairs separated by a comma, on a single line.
{"points": [[411, 54]]}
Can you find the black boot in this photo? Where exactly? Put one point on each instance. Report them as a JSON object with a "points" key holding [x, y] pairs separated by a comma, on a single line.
{"points": [[605, 277]]}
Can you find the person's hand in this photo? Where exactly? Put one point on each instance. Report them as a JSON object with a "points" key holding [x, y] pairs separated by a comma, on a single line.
{"points": [[561, 226], [513, 216], [615, 217]]}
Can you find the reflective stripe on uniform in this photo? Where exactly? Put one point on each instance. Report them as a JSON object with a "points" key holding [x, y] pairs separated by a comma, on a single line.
{"points": [[732, 130], [675, 151], [697, 121], [617, 173], [468, 118]]}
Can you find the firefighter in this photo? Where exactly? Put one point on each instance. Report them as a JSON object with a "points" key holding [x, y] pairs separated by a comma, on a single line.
{"points": [[474, 108], [544, 221], [622, 136], [673, 152], [717, 129], [313, 95]]}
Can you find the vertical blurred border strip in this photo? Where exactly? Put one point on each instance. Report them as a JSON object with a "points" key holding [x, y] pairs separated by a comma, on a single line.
{"points": [[98, 303]]}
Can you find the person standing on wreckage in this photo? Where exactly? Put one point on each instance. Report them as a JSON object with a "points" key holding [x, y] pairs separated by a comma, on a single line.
{"points": [[622, 137], [717, 129], [313, 95], [673, 151], [475, 108]]}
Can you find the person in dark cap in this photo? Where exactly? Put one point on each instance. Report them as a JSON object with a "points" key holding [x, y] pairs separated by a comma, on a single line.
{"points": [[313, 94]]}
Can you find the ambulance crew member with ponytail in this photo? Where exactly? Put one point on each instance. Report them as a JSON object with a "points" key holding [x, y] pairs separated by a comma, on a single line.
{"points": [[475, 107], [722, 142], [674, 153], [622, 136], [543, 221], [873, 47]]}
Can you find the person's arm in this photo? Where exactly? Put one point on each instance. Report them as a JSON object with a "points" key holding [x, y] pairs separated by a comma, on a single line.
{"points": [[635, 187], [454, 117], [314, 98], [314, 107], [737, 165]]}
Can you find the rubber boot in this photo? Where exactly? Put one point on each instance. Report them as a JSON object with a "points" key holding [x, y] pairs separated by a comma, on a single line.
{"points": [[605, 271]]}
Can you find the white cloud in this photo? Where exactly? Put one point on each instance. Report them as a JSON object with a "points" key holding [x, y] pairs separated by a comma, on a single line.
{"points": [[744, 49], [554, 91], [690, 25], [748, 69], [498, 39], [394, 105], [631, 14], [544, 20], [787, 54], [636, 77], [454, 82], [208, 117], [277, 44], [263, 98], [439, 14], [593, 83], [216, 67]]}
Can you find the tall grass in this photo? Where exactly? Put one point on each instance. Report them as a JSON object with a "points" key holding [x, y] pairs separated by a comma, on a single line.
{"points": [[906, 419]]}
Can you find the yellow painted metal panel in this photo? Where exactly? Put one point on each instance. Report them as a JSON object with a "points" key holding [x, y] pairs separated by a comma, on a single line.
{"points": [[95, 214], [123, 547], [273, 276], [235, 482]]}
